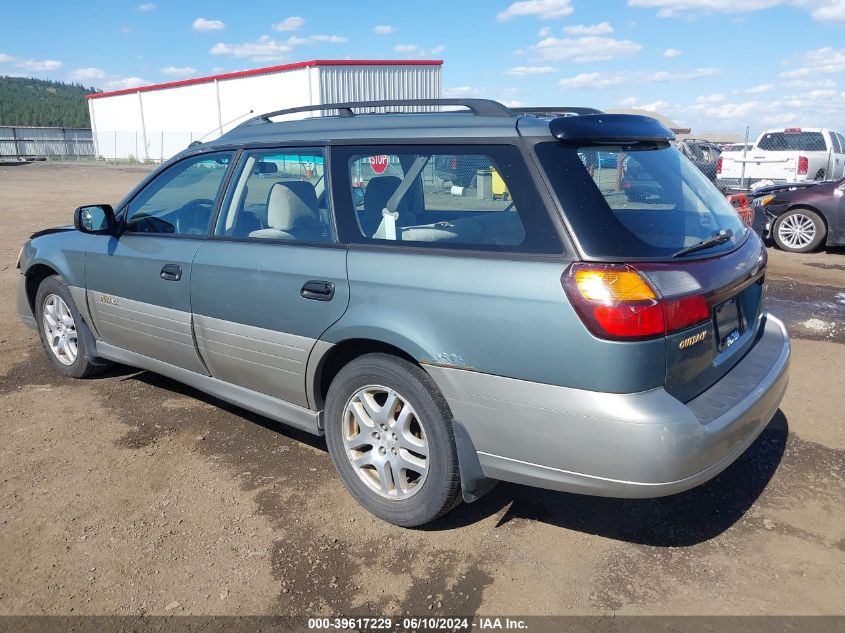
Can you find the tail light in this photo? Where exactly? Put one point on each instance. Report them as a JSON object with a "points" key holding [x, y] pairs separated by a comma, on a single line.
{"points": [[719, 166], [615, 301], [453, 164], [803, 165]]}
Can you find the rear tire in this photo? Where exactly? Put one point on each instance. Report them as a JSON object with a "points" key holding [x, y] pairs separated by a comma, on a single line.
{"points": [[799, 231], [65, 337], [819, 175], [389, 433]]}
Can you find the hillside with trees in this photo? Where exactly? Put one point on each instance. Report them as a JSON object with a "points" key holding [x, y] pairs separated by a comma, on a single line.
{"points": [[26, 101]]}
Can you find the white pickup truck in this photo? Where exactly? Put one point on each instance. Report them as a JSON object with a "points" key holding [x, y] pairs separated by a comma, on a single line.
{"points": [[784, 155]]}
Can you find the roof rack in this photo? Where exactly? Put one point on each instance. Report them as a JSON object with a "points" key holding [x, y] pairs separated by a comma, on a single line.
{"points": [[558, 110], [479, 107]]}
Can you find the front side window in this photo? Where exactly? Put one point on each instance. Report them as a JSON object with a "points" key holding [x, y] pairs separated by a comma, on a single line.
{"points": [[469, 197], [278, 194], [180, 201], [637, 203]]}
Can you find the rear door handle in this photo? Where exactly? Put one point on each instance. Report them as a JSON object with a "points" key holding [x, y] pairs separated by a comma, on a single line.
{"points": [[171, 272], [318, 290]]}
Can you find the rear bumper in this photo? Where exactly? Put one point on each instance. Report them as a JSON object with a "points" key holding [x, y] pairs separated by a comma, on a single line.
{"points": [[22, 304], [646, 444]]}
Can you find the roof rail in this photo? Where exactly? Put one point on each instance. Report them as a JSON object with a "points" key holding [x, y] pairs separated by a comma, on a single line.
{"points": [[558, 110], [479, 107]]}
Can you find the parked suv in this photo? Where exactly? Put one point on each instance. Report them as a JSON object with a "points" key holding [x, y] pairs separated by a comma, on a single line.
{"points": [[576, 336]]}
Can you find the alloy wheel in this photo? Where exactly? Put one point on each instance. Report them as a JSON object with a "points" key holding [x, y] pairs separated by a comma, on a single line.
{"points": [[797, 230], [385, 441], [60, 330]]}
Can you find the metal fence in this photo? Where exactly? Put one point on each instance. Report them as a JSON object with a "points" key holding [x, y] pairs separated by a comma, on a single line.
{"points": [[45, 142], [132, 146]]}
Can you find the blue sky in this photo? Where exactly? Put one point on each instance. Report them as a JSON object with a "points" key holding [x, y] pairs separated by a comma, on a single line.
{"points": [[708, 64]]}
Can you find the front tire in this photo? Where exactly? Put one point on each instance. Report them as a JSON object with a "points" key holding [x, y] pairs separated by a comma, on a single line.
{"points": [[389, 434], [68, 343], [799, 231]]}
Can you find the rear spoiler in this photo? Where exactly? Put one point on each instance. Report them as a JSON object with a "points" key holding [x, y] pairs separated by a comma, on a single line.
{"points": [[610, 129]]}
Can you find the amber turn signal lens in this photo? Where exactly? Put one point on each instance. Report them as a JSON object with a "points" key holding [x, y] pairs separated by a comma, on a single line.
{"points": [[613, 286]]}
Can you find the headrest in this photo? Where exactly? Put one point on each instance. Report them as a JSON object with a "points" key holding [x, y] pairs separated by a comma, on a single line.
{"points": [[292, 204]]}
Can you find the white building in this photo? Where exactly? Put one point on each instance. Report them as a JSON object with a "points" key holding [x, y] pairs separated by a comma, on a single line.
{"points": [[157, 121]]}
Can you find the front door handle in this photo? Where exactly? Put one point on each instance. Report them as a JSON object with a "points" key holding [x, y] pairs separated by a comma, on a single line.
{"points": [[171, 272], [318, 290]]}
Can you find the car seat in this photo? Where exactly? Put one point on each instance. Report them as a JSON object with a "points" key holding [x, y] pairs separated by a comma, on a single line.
{"points": [[292, 213]]}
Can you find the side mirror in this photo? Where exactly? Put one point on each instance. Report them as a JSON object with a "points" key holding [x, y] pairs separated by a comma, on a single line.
{"points": [[97, 219]]}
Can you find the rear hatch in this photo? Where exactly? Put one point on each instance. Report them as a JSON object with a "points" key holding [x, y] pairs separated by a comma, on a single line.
{"points": [[664, 255]]}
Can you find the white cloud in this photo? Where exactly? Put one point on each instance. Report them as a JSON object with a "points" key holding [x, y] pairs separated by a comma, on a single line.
{"points": [[87, 74], [521, 71], [714, 98], [545, 31], [296, 40], [201, 24], [31, 65], [147, 6], [416, 51], [602, 28], [384, 29], [685, 75], [293, 23], [830, 11], [672, 8], [672, 52], [594, 81], [654, 106], [824, 61], [543, 9], [760, 89], [265, 49], [460, 91], [127, 82], [600, 81], [628, 101], [585, 49], [179, 71]]}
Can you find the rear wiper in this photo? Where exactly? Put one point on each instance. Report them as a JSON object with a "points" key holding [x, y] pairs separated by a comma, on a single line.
{"points": [[720, 238]]}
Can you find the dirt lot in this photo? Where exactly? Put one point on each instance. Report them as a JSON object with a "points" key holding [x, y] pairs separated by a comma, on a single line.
{"points": [[132, 494]]}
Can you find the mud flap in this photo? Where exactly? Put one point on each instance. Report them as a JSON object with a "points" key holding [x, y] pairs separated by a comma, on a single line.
{"points": [[474, 484]]}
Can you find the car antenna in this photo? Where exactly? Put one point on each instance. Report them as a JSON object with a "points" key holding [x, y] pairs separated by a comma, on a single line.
{"points": [[220, 127]]}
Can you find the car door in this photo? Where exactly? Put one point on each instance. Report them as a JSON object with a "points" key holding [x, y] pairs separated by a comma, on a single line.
{"points": [[272, 278], [138, 283]]}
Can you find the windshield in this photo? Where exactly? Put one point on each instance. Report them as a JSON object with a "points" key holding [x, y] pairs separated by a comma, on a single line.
{"points": [[643, 203]]}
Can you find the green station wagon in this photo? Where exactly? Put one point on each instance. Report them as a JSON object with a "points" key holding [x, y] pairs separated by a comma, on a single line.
{"points": [[598, 328]]}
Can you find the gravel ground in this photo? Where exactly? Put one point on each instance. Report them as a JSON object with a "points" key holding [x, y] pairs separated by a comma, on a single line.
{"points": [[131, 494]]}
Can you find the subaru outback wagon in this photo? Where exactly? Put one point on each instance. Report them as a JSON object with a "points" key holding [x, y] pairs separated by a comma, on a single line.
{"points": [[577, 335]]}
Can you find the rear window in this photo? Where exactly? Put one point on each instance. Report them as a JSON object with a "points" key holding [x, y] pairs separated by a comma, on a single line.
{"points": [[644, 203], [465, 197], [793, 142]]}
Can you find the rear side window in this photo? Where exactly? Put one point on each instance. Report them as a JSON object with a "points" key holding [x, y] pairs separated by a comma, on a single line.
{"points": [[647, 203], [468, 197], [793, 142], [835, 140]]}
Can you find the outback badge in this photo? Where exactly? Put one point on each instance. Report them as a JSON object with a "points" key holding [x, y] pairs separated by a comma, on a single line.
{"points": [[109, 300], [692, 340]]}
